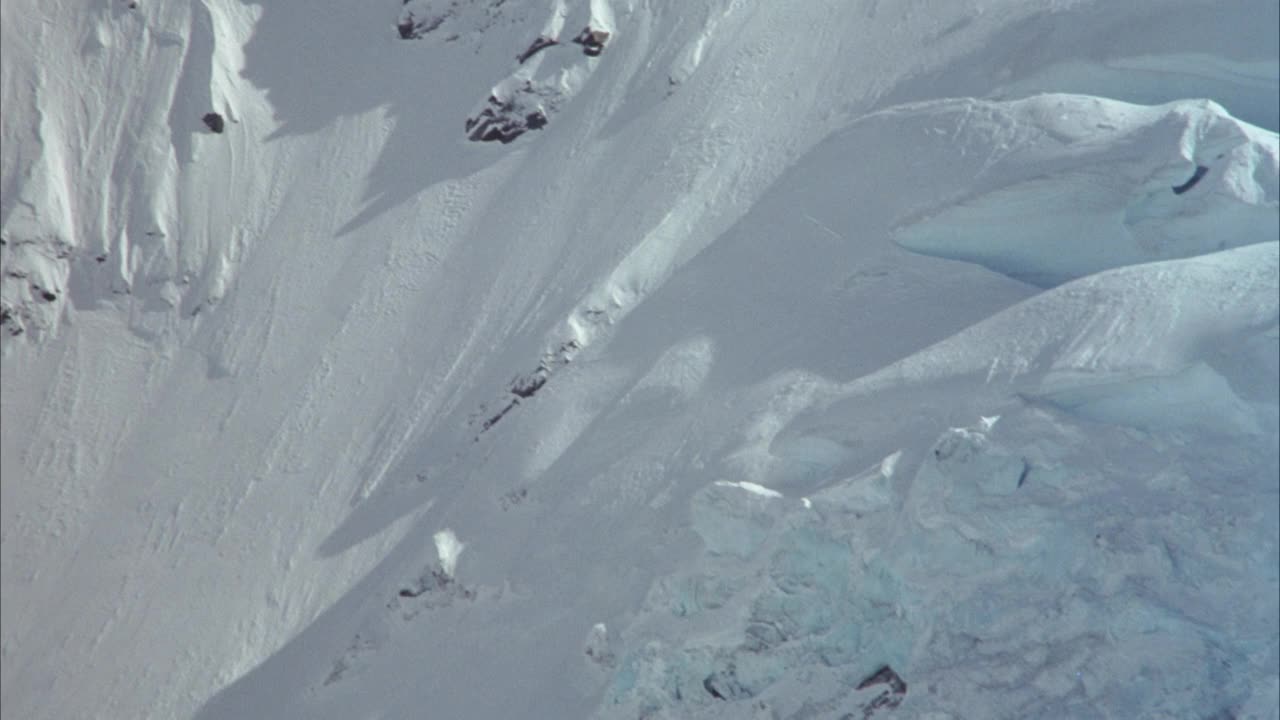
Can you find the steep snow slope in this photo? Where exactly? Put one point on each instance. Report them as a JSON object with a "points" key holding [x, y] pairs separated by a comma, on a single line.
{"points": [[339, 413]]}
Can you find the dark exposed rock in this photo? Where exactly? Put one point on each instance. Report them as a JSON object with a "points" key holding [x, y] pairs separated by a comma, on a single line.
{"points": [[46, 295], [885, 675], [500, 121], [214, 122], [432, 590], [525, 387], [413, 28], [543, 42], [592, 41], [417, 19], [886, 698], [597, 648], [505, 119], [10, 320], [435, 580], [1196, 176], [496, 417], [724, 685]]}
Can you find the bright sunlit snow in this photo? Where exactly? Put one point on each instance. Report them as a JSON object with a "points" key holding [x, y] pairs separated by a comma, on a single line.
{"points": [[640, 359]]}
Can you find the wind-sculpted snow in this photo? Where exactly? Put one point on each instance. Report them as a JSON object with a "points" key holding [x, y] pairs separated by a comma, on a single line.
{"points": [[1078, 184], [638, 410], [1246, 86], [1146, 320], [1137, 346]]}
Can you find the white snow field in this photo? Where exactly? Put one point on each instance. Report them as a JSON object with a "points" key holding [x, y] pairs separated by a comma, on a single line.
{"points": [[640, 359]]}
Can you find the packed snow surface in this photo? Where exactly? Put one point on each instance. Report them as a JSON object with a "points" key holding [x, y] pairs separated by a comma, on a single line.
{"points": [[640, 359]]}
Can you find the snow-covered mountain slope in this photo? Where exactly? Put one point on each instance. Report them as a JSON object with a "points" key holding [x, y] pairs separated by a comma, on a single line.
{"points": [[634, 358]]}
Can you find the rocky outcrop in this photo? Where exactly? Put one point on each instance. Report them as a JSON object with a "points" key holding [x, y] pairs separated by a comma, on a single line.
{"points": [[887, 691], [214, 122], [418, 18], [592, 40], [523, 387], [546, 78], [505, 119], [32, 288], [453, 20], [542, 43]]}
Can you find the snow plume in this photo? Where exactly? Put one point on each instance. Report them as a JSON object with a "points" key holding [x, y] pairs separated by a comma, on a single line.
{"points": [[448, 547]]}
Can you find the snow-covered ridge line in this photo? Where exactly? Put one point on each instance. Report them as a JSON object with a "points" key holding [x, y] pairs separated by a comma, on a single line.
{"points": [[1142, 335], [1115, 183], [1164, 327]]}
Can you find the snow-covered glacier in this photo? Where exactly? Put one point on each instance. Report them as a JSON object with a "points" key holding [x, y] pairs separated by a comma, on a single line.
{"points": [[1055, 556], [640, 359]]}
